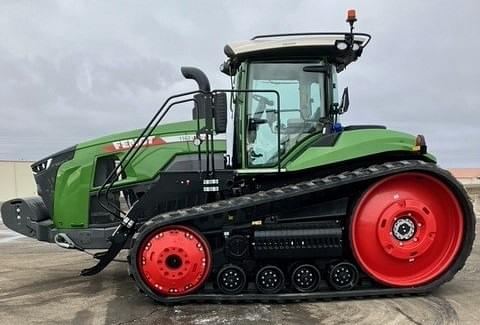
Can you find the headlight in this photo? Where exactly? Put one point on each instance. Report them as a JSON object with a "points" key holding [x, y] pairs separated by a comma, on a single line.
{"points": [[42, 165], [54, 160], [342, 46]]}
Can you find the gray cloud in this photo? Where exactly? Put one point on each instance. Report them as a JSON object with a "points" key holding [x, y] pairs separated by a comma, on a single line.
{"points": [[76, 70]]}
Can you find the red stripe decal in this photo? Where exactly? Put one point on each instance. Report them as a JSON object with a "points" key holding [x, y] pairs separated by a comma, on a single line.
{"points": [[126, 144]]}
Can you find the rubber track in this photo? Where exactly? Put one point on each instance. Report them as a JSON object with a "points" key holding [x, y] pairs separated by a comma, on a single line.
{"points": [[303, 188]]}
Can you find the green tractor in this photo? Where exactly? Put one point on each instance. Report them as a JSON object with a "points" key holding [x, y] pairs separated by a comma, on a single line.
{"points": [[288, 205]]}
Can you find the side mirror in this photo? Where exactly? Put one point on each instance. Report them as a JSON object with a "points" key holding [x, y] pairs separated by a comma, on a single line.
{"points": [[220, 112], [345, 103]]}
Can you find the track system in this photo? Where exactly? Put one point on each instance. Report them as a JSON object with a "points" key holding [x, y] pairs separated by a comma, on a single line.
{"points": [[409, 230]]}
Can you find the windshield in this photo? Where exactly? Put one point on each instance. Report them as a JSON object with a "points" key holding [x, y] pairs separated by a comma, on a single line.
{"points": [[302, 105]]}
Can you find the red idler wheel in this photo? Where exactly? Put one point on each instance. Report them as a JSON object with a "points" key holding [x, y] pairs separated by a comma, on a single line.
{"points": [[174, 260], [406, 230]]}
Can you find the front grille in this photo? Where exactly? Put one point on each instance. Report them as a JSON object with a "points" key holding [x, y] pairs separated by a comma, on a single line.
{"points": [[45, 174]]}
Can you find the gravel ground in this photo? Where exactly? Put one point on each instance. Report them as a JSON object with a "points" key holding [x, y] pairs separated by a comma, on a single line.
{"points": [[39, 283]]}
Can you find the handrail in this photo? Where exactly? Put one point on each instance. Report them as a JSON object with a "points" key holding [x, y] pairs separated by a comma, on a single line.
{"points": [[134, 149]]}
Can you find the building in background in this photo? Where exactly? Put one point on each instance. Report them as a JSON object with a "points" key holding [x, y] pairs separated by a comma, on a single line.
{"points": [[16, 180], [470, 178]]}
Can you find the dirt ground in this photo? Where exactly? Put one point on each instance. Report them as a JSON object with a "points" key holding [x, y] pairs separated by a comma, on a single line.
{"points": [[39, 283]]}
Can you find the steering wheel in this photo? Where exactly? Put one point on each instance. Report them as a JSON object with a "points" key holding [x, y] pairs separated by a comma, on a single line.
{"points": [[263, 99], [262, 108]]}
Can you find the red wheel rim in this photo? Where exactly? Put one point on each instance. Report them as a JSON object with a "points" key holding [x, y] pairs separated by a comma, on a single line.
{"points": [[174, 260], [406, 230]]}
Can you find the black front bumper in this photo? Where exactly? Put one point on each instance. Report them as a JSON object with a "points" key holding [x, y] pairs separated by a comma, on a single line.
{"points": [[30, 217]]}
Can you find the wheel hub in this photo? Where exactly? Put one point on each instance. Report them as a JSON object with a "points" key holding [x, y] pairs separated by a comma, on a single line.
{"points": [[342, 275], [407, 229], [304, 278], [231, 279], [269, 279], [403, 229], [174, 260]]}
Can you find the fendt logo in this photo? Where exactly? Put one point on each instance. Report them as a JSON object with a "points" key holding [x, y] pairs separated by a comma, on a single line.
{"points": [[153, 140], [126, 144]]}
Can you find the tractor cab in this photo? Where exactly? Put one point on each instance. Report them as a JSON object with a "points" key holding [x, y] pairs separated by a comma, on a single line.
{"points": [[285, 91]]}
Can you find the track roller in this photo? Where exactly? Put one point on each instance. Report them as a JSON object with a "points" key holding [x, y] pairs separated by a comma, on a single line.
{"points": [[343, 276], [237, 246], [270, 279], [305, 278], [231, 279]]}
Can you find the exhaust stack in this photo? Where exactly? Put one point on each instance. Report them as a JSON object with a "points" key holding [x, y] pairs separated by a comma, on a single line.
{"points": [[197, 75]]}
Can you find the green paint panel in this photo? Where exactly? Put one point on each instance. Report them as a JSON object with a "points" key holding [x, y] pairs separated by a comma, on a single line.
{"points": [[350, 145]]}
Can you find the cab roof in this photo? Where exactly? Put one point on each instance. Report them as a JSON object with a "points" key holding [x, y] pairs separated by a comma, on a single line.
{"points": [[334, 46]]}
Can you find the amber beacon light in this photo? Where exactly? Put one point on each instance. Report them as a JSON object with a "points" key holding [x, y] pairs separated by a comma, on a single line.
{"points": [[351, 16]]}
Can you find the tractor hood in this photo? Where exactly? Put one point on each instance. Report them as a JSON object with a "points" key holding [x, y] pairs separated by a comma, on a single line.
{"points": [[45, 170], [123, 140], [65, 180]]}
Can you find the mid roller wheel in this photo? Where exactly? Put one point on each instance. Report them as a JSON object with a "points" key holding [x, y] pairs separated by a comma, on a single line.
{"points": [[305, 278], [343, 276], [269, 279], [407, 230], [231, 279]]}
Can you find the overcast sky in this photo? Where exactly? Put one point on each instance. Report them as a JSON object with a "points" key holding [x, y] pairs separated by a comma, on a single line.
{"points": [[75, 70]]}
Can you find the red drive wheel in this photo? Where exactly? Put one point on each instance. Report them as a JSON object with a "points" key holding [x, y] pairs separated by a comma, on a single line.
{"points": [[174, 260], [406, 230]]}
